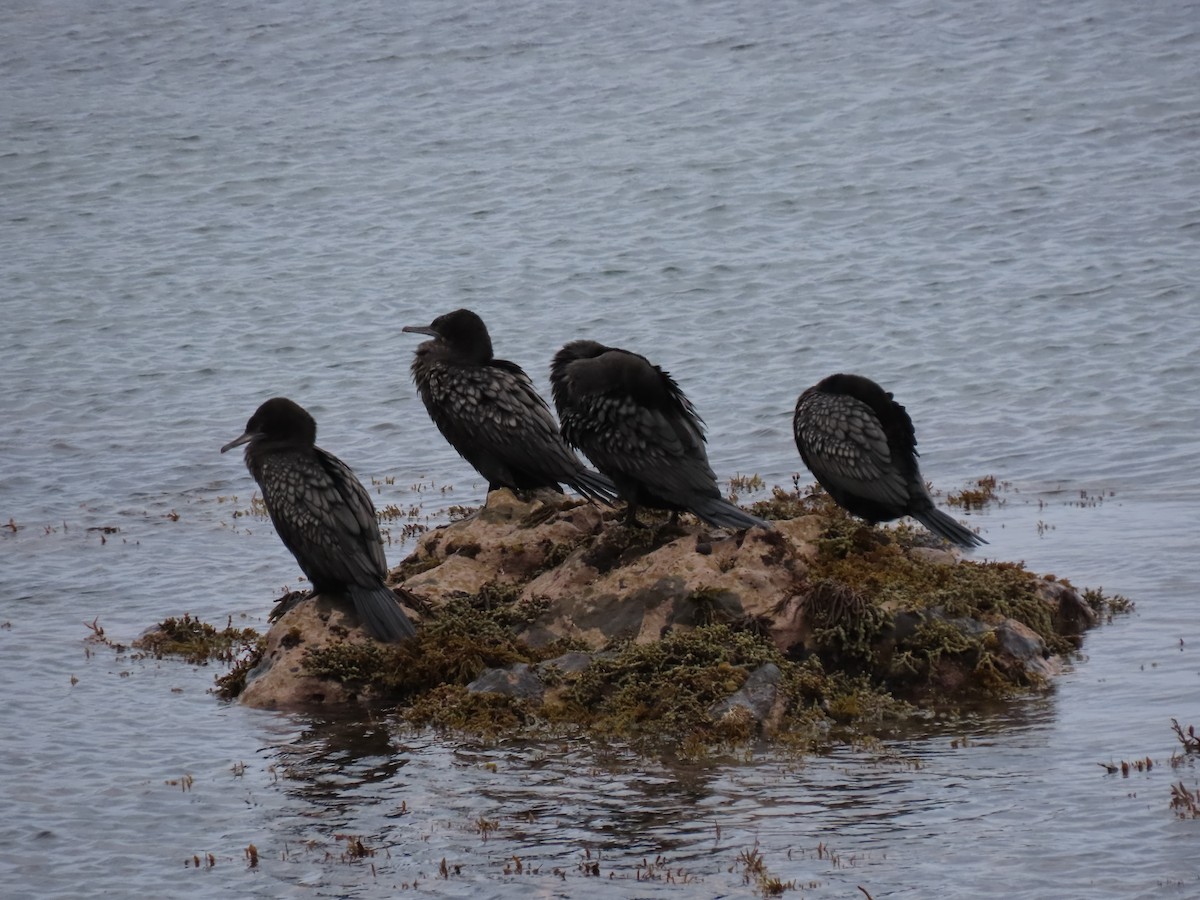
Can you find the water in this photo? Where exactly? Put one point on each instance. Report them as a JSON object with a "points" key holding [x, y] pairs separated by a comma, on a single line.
{"points": [[993, 211]]}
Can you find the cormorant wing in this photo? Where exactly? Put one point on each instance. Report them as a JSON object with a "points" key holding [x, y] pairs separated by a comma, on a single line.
{"points": [[630, 417], [324, 515], [357, 515], [844, 444], [495, 417], [662, 451]]}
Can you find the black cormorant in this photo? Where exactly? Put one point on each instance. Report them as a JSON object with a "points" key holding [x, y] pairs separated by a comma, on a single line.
{"points": [[322, 513], [860, 445], [638, 428], [488, 410]]}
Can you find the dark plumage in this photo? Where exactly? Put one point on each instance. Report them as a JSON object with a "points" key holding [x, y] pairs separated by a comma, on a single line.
{"points": [[322, 513], [488, 410], [860, 445], [637, 427]]}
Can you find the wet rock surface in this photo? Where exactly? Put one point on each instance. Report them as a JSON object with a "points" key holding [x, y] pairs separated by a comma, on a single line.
{"points": [[282, 677]]}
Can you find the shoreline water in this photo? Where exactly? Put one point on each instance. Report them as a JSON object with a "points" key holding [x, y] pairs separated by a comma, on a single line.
{"points": [[991, 211]]}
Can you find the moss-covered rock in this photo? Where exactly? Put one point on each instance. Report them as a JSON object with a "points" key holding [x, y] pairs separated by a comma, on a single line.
{"points": [[679, 631]]}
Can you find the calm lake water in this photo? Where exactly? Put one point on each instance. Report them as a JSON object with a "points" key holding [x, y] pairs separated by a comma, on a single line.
{"points": [[993, 210]]}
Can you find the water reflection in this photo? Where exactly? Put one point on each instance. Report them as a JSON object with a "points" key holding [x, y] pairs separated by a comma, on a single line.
{"points": [[563, 802], [568, 805], [336, 759]]}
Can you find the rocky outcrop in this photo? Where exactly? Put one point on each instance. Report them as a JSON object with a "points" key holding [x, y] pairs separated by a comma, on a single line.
{"points": [[818, 586], [601, 581]]}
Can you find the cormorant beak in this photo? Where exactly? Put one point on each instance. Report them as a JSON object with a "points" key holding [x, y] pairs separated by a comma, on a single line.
{"points": [[238, 441], [421, 329]]}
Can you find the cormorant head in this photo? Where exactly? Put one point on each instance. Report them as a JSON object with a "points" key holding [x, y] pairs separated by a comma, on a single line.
{"points": [[566, 377], [588, 367], [278, 421], [460, 331], [579, 350], [858, 386]]}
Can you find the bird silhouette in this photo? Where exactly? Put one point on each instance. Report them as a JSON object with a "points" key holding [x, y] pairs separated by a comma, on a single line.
{"points": [[636, 426], [860, 445], [322, 513], [489, 411]]}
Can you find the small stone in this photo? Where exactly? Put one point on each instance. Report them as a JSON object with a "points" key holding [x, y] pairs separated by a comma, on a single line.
{"points": [[757, 695], [905, 624], [1072, 615], [938, 555], [516, 680], [1026, 647], [1020, 641], [965, 624], [571, 663]]}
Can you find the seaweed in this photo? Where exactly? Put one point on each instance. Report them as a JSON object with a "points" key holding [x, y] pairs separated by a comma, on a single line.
{"points": [[197, 641]]}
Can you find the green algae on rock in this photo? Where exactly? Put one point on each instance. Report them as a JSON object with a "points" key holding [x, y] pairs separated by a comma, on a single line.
{"points": [[548, 614]]}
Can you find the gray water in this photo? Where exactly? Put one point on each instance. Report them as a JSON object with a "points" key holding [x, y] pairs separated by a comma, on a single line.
{"points": [[991, 209]]}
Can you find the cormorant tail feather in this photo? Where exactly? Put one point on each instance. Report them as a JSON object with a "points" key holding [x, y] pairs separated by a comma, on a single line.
{"points": [[720, 513], [380, 613], [595, 486], [951, 529]]}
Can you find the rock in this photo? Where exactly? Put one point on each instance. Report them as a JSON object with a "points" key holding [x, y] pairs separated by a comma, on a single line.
{"points": [[516, 680], [571, 663], [558, 568], [609, 583], [939, 555], [1072, 615], [963, 624], [905, 624], [1021, 645], [506, 542], [455, 575], [279, 680], [641, 592], [759, 695]]}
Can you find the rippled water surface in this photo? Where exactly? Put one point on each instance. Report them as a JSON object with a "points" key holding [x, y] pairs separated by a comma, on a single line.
{"points": [[993, 210]]}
